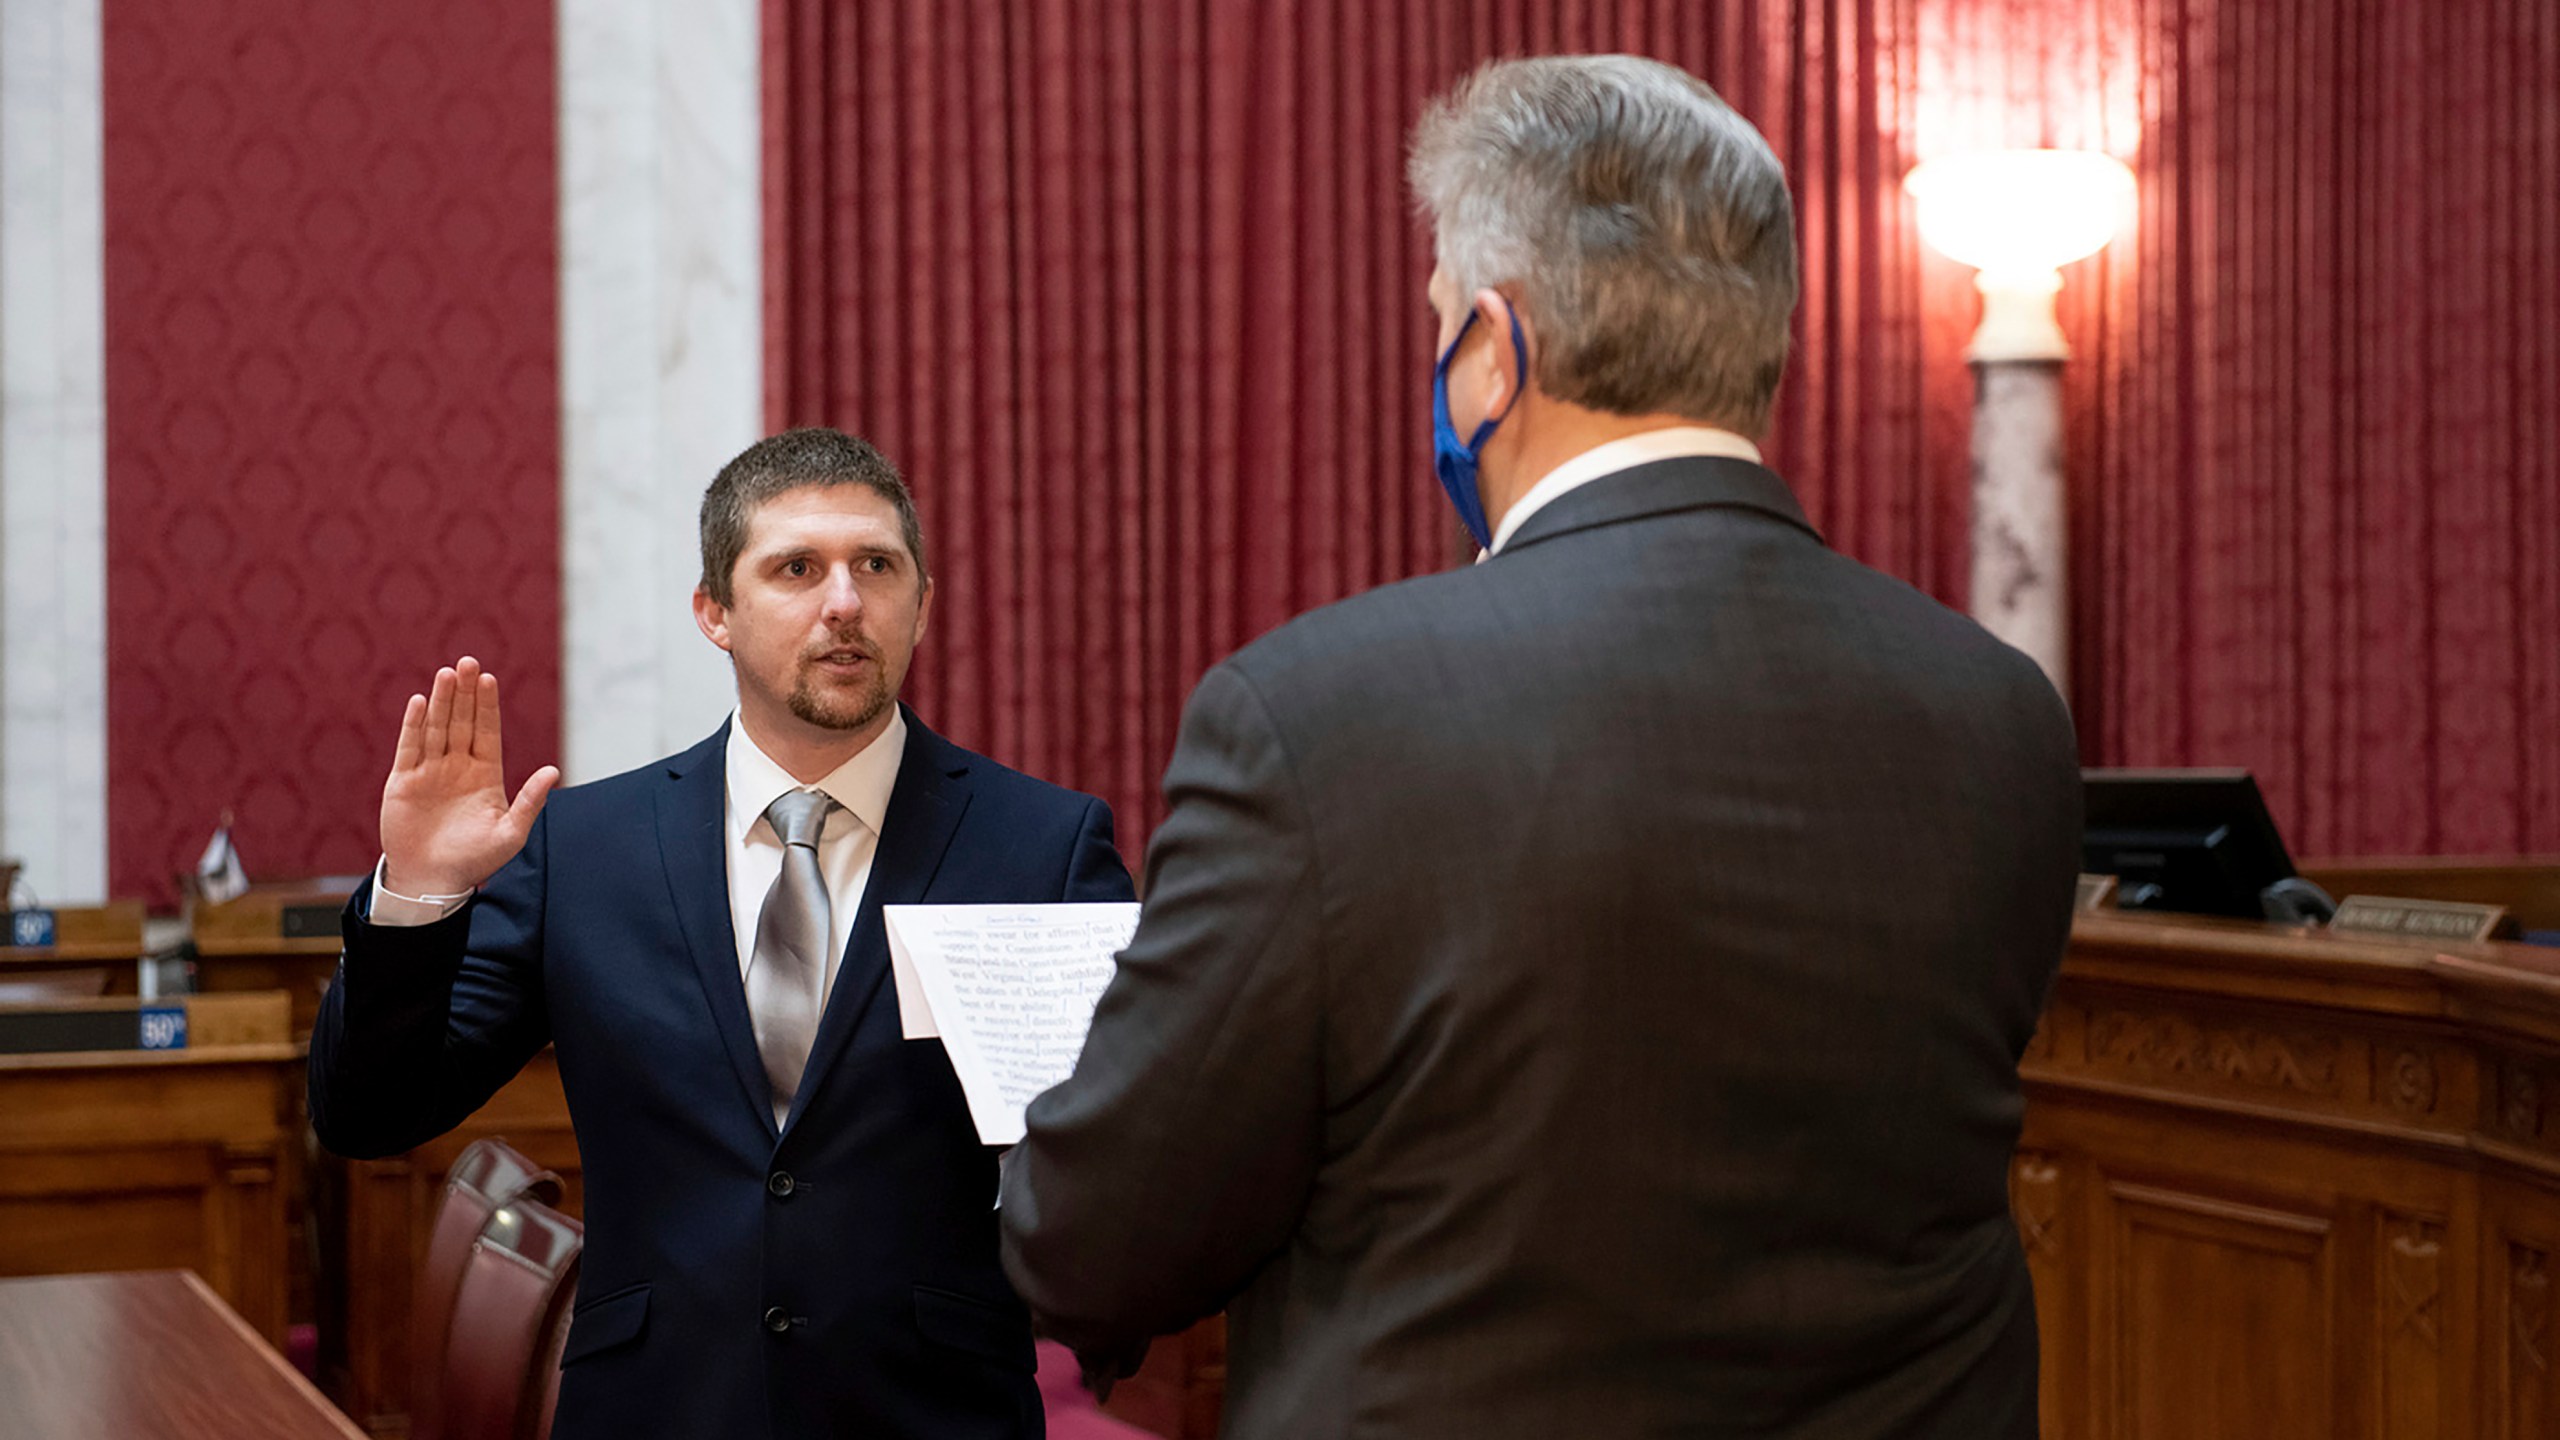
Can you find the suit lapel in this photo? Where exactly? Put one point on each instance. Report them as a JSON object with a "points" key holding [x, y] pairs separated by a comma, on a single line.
{"points": [[691, 806], [924, 810]]}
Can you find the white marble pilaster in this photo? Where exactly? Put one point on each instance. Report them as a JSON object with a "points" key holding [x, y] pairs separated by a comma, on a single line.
{"points": [[2019, 549], [661, 358], [53, 603]]}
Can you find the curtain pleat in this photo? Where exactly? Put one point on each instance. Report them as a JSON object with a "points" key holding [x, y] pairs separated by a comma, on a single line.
{"points": [[1133, 292]]}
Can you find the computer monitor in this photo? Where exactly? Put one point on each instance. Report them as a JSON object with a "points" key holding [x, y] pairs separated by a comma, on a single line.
{"points": [[2198, 841]]}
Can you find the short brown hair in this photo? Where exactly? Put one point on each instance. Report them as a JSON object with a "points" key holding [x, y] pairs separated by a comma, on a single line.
{"points": [[778, 464]]}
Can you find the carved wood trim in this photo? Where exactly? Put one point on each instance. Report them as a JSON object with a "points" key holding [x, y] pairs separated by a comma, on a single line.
{"points": [[2443, 1144], [2519, 1326], [2250, 1217], [2520, 1101], [2413, 1100], [2413, 1278], [2035, 1200], [2040, 1045], [2528, 1309], [2408, 1082], [2409, 1322], [2151, 1041]]}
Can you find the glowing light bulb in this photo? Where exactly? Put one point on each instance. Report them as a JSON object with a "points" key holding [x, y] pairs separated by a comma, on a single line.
{"points": [[2017, 214], [2018, 217]]}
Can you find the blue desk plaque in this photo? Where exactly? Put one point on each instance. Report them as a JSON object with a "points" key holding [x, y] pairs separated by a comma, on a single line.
{"points": [[31, 929], [164, 1027]]}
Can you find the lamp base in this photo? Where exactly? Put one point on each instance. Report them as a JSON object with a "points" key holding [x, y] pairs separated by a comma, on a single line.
{"points": [[2020, 576], [2017, 318]]}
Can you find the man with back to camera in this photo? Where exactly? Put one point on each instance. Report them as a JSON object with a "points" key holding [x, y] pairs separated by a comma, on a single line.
{"points": [[1581, 994], [787, 1206]]}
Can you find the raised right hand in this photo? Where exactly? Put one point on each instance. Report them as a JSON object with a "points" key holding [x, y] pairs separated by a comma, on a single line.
{"points": [[447, 824]]}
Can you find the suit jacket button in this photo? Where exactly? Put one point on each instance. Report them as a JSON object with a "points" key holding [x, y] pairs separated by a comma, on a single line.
{"points": [[777, 1320], [781, 1184]]}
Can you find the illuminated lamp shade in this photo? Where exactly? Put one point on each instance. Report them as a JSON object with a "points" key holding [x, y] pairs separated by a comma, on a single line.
{"points": [[2018, 217]]}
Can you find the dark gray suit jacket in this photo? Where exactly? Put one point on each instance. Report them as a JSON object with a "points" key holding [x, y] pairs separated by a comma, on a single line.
{"points": [[1581, 995]]}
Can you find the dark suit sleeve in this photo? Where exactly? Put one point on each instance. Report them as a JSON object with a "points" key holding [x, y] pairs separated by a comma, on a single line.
{"points": [[1176, 1160], [1095, 872], [422, 1024]]}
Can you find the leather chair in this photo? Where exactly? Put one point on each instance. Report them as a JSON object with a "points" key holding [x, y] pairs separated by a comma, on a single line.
{"points": [[510, 1319], [550, 1372], [486, 1176]]}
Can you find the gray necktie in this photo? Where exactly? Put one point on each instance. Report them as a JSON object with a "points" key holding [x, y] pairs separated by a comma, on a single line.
{"points": [[787, 974]]}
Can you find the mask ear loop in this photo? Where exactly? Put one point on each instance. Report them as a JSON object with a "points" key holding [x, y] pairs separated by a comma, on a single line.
{"points": [[1520, 353]]}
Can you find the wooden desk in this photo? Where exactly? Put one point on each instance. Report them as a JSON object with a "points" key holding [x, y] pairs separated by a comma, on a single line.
{"points": [[2272, 1184], [242, 945], [132, 1159], [2275, 1183], [2528, 886], [85, 935], [151, 1356], [96, 944]]}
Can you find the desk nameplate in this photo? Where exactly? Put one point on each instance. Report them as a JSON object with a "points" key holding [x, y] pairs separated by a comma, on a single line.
{"points": [[310, 922], [2432, 921], [127, 1023]]}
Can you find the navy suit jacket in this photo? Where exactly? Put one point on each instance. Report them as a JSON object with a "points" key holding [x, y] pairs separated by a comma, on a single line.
{"points": [[865, 1222]]}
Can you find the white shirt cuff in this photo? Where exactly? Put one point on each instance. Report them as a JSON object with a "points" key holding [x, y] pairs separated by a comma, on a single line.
{"points": [[393, 910]]}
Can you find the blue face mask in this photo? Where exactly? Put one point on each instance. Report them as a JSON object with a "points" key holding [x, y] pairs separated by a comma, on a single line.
{"points": [[1456, 462]]}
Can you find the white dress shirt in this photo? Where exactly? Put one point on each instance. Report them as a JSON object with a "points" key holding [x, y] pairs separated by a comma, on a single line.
{"points": [[1669, 443], [846, 846]]}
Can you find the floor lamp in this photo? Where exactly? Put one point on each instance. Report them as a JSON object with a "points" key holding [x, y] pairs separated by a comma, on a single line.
{"points": [[2018, 217]]}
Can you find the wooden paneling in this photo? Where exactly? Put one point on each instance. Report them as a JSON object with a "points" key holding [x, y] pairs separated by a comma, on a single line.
{"points": [[242, 945], [2224, 1317], [2050, 1225], [2520, 1256], [301, 975], [126, 1159], [93, 953], [85, 933], [2274, 1183]]}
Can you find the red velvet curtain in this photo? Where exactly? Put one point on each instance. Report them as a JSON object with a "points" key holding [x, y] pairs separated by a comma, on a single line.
{"points": [[1133, 291], [2317, 442]]}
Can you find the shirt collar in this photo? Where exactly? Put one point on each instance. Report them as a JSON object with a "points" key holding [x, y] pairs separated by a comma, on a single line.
{"points": [[1625, 453], [861, 785]]}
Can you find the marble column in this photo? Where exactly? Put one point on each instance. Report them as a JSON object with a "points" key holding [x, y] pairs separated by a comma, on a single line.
{"points": [[2019, 571], [53, 599], [661, 356]]}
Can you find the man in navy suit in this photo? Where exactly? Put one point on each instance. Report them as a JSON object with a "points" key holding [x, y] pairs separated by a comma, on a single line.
{"points": [[789, 1222]]}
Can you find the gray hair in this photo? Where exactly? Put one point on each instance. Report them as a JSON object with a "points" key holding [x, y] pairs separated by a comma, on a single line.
{"points": [[1646, 226]]}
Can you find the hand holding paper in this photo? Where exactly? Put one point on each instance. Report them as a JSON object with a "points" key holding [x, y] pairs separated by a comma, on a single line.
{"points": [[1009, 988]]}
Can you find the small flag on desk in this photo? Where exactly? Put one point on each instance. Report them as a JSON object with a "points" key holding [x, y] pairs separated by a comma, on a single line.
{"points": [[219, 878]]}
